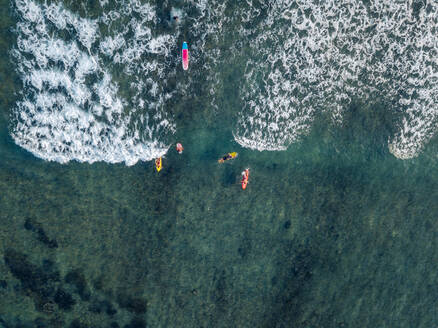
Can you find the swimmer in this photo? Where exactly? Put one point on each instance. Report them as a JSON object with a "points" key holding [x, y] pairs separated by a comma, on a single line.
{"points": [[176, 15], [227, 157], [179, 148]]}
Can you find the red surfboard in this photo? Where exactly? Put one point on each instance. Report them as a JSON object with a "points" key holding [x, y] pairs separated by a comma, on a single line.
{"points": [[245, 178]]}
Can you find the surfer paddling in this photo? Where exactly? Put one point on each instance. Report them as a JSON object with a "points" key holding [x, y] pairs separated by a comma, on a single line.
{"points": [[227, 157], [245, 178]]}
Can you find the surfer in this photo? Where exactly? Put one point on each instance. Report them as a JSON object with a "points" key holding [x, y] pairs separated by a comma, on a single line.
{"points": [[245, 178], [228, 157], [158, 164], [179, 148]]}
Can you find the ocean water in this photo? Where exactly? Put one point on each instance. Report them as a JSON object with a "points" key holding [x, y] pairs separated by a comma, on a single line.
{"points": [[332, 105]]}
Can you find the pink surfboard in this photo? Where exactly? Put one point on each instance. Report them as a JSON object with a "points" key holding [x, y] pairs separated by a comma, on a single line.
{"points": [[185, 56]]}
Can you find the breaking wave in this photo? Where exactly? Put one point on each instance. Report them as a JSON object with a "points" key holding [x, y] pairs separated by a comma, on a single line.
{"points": [[97, 89], [312, 56], [72, 106]]}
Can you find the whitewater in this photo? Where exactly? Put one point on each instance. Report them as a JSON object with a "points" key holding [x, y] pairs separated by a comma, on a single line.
{"points": [[97, 89]]}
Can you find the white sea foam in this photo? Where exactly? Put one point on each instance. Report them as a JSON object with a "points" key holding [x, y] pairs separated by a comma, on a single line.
{"points": [[111, 44], [301, 57], [208, 28], [312, 56], [71, 109]]}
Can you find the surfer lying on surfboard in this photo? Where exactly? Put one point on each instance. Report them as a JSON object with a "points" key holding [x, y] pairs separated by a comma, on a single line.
{"points": [[227, 157], [245, 178], [158, 164], [179, 148]]}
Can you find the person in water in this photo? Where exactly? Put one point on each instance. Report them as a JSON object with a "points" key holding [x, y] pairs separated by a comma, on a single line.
{"points": [[227, 157], [179, 148], [245, 177]]}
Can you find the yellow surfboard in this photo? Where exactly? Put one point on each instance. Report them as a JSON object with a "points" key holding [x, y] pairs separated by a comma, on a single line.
{"points": [[158, 164], [228, 157]]}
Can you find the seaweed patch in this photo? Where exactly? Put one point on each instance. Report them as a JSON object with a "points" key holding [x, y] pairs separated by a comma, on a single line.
{"points": [[132, 304], [77, 279], [34, 226]]}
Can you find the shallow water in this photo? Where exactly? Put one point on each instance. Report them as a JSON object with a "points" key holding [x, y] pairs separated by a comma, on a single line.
{"points": [[333, 229]]}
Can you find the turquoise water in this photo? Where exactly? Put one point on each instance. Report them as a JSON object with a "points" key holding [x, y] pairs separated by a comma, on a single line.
{"points": [[335, 231]]}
